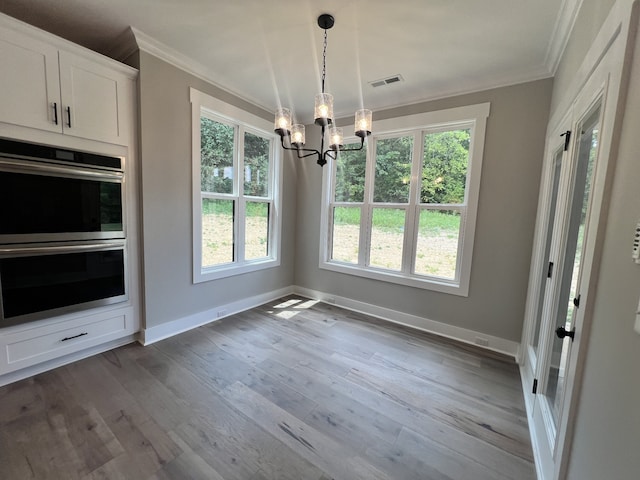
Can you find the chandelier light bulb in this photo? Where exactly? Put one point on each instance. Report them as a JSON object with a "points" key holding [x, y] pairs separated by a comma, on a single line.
{"points": [[324, 109], [335, 138], [363, 122], [283, 121], [297, 135]]}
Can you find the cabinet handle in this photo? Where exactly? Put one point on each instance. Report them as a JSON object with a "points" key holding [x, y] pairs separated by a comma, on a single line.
{"points": [[75, 336], [69, 116], [55, 113]]}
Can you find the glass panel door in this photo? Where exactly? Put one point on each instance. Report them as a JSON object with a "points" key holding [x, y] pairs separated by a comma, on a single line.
{"points": [[569, 287], [555, 184]]}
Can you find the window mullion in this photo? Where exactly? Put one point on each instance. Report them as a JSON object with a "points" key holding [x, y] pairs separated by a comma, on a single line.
{"points": [[411, 225], [366, 214], [239, 213]]}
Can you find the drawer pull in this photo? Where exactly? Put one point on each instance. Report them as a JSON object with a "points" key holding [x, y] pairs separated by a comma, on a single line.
{"points": [[75, 336]]}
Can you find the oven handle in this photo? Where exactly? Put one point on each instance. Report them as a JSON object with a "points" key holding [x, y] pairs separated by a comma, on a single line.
{"points": [[21, 166], [57, 249]]}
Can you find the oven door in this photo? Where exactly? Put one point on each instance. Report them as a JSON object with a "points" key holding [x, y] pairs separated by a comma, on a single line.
{"points": [[42, 202], [43, 280]]}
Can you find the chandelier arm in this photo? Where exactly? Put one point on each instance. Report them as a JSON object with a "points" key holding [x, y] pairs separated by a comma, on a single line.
{"points": [[298, 150], [312, 152], [332, 154]]}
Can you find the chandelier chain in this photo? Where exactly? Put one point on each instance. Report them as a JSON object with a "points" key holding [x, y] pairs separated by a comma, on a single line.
{"points": [[324, 59]]}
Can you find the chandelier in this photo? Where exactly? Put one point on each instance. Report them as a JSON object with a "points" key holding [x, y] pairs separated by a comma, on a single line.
{"points": [[323, 116]]}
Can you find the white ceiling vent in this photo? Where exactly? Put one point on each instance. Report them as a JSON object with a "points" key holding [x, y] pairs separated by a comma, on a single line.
{"points": [[387, 81]]}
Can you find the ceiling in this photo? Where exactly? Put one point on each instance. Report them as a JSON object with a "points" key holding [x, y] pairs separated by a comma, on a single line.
{"points": [[269, 51]]}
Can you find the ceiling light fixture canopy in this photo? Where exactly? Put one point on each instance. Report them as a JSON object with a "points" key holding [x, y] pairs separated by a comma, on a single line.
{"points": [[323, 115]]}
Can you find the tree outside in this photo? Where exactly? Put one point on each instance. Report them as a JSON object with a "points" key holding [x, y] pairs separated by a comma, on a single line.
{"points": [[443, 181], [216, 176]]}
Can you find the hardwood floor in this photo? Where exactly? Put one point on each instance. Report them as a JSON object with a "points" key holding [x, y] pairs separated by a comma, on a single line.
{"points": [[291, 390]]}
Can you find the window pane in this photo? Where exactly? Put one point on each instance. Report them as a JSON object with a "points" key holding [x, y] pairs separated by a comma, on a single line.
{"points": [[350, 170], [216, 156], [387, 236], [346, 234], [444, 166], [217, 232], [437, 247], [256, 165], [256, 233], [393, 170]]}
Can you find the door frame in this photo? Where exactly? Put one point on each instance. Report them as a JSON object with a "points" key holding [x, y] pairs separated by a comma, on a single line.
{"points": [[604, 71]]}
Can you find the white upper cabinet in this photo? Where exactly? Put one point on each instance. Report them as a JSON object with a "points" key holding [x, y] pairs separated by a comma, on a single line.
{"points": [[92, 100], [30, 90], [59, 87]]}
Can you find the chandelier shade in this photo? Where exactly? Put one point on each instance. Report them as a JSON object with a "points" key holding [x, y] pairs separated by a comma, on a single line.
{"points": [[323, 116]]}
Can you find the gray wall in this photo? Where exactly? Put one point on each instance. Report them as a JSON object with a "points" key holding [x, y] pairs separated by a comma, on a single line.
{"points": [[165, 134], [590, 18], [512, 163], [607, 429]]}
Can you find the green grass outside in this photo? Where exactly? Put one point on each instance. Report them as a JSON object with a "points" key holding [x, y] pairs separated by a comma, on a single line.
{"points": [[385, 218], [393, 219], [225, 207]]}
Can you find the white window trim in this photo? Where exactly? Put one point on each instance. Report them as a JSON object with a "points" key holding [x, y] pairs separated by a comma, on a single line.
{"points": [[217, 108], [474, 115]]}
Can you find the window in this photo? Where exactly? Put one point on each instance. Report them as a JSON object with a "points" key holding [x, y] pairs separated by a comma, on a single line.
{"points": [[236, 182], [403, 209]]}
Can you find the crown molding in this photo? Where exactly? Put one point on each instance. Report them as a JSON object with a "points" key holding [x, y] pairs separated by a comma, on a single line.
{"points": [[123, 46], [179, 60], [565, 21]]}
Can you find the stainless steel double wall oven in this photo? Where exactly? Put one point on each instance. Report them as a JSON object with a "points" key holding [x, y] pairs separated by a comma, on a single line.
{"points": [[62, 231]]}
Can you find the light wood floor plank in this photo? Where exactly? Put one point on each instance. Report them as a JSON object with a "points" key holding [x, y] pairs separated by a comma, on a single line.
{"points": [[292, 390]]}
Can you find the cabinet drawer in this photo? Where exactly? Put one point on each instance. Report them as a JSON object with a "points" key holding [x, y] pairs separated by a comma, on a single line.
{"points": [[36, 345]]}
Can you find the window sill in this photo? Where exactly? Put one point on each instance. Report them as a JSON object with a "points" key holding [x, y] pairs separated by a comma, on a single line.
{"points": [[216, 273], [426, 283]]}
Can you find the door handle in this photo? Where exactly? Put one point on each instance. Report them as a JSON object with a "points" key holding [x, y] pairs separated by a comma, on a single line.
{"points": [[562, 332]]}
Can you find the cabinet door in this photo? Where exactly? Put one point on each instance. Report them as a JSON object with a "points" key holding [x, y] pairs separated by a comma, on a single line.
{"points": [[30, 88], [93, 99]]}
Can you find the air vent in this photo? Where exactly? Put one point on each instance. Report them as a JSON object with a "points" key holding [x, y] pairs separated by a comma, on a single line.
{"points": [[386, 81]]}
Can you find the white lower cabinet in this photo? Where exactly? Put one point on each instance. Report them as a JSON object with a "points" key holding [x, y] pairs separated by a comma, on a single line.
{"points": [[34, 343]]}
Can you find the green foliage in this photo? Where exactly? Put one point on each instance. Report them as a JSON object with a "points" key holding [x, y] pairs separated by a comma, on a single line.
{"points": [[216, 154], [444, 167], [256, 164], [350, 171], [217, 142], [393, 170]]}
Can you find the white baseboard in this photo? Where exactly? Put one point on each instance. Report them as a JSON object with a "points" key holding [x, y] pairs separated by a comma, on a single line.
{"points": [[489, 342], [174, 327], [27, 372], [169, 329]]}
